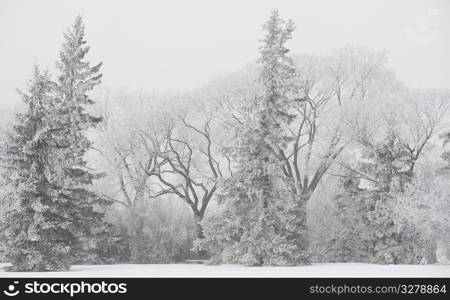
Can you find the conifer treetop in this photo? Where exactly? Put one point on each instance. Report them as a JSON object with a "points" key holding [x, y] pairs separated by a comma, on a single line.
{"points": [[277, 67], [74, 70]]}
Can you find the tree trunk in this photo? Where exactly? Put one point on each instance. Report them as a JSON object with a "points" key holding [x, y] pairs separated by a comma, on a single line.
{"points": [[198, 217], [200, 234], [302, 238], [137, 226], [136, 232], [202, 254]]}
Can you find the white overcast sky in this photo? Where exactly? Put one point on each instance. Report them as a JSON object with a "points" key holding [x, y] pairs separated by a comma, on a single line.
{"points": [[179, 44]]}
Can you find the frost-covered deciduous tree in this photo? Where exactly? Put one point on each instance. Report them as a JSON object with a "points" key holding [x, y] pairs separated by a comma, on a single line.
{"points": [[390, 153], [422, 213], [358, 73], [128, 156], [130, 162], [329, 90], [161, 153], [189, 165]]}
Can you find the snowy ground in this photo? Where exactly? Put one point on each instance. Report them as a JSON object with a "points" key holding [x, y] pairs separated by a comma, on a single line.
{"points": [[198, 270]]}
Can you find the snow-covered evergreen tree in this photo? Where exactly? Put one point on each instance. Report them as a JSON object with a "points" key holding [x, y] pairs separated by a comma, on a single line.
{"points": [[36, 235], [260, 222], [71, 122], [389, 167], [51, 218], [346, 243]]}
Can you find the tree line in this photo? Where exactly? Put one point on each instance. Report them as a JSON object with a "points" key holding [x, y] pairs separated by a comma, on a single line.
{"points": [[291, 160]]}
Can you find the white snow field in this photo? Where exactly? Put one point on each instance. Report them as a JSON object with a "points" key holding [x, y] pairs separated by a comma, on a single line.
{"points": [[199, 270]]}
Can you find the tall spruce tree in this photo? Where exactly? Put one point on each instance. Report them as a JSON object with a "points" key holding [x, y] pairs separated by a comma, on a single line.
{"points": [[257, 224], [36, 235], [72, 121]]}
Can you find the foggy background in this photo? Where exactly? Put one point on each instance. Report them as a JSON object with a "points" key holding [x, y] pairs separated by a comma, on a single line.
{"points": [[177, 45]]}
